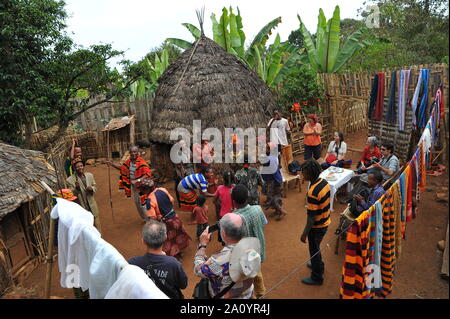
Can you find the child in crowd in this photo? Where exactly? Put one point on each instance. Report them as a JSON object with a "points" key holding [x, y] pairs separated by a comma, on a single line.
{"points": [[200, 214]]}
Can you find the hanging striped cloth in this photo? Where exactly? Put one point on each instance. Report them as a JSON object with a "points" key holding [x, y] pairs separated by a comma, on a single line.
{"points": [[403, 98], [380, 97], [422, 117], [390, 112], [415, 99]]}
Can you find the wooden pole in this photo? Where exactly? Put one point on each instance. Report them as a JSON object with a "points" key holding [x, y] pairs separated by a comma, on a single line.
{"points": [[49, 259], [109, 175]]}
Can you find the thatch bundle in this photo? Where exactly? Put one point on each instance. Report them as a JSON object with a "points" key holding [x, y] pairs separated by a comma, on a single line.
{"points": [[206, 83], [20, 174]]}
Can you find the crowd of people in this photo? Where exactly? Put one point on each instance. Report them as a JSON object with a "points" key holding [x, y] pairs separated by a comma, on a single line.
{"points": [[239, 213]]}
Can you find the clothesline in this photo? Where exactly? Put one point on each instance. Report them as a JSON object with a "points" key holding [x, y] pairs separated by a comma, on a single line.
{"points": [[374, 239]]}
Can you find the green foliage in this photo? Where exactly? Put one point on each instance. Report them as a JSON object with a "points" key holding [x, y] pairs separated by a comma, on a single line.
{"points": [[296, 39], [44, 75], [301, 85], [418, 29], [326, 55]]}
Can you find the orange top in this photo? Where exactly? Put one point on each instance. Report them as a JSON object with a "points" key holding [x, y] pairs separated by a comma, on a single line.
{"points": [[312, 140]]}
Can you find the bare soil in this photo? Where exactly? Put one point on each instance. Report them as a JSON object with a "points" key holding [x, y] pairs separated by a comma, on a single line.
{"points": [[417, 272]]}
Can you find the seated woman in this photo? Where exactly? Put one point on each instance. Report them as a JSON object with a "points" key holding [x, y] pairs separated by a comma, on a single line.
{"points": [[336, 152], [370, 155]]}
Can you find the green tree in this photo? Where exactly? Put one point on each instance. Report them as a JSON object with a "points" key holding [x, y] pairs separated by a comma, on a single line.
{"points": [[42, 71], [417, 28], [326, 55]]}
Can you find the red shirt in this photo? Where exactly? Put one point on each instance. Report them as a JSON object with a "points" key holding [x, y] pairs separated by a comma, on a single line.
{"points": [[367, 154], [224, 194], [201, 214]]}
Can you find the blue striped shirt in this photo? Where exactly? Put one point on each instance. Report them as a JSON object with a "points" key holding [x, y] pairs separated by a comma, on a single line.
{"points": [[195, 181]]}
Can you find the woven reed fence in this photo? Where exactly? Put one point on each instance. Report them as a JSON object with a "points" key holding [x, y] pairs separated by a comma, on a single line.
{"points": [[349, 95]]}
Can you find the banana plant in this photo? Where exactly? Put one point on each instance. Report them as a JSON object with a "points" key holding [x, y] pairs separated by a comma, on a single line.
{"points": [[146, 87], [326, 55]]}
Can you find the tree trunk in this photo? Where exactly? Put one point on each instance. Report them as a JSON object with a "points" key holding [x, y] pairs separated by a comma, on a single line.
{"points": [[28, 133]]}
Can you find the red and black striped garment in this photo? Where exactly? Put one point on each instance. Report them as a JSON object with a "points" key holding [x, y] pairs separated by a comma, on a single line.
{"points": [[142, 169]]}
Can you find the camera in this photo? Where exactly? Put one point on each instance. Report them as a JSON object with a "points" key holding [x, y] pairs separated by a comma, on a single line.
{"points": [[213, 228]]}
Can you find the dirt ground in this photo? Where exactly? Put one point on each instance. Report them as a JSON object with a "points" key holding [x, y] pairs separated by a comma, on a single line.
{"points": [[417, 274]]}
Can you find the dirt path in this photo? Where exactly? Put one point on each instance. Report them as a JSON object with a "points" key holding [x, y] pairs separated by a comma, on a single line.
{"points": [[417, 272]]}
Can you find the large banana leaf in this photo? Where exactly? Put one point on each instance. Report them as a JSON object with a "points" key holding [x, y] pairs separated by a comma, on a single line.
{"points": [[309, 45], [235, 37], [274, 60], [333, 33], [352, 44], [263, 34], [321, 35], [240, 27], [182, 44], [196, 33], [293, 57]]}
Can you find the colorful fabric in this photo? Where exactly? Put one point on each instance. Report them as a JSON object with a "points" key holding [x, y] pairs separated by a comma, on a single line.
{"points": [[422, 116], [397, 202], [390, 112], [409, 185], [216, 270], [376, 257], [353, 285], [188, 201], [177, 237], [402, 181], [373, 96], [142, 169], [195, 182], [412, 201], [403, 98], [388, 248], [422, 168], [415, 99], [255, 220], [318, 203], [250, 178], [378, 114]]}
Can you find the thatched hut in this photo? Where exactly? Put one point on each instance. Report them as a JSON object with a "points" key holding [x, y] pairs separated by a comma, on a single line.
{"points": [[206, 83], [24, 212], [121, 133]]}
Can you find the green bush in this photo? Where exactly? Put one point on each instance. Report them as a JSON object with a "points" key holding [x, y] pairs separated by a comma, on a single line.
{"points": [[301, 85]]}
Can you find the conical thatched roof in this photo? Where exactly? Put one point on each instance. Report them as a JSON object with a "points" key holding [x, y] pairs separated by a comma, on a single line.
{"points": [[216, 88], [20, 174]]}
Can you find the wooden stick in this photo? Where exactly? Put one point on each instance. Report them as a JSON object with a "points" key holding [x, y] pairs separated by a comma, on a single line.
{"points": [[49, 259], [109, 175]]}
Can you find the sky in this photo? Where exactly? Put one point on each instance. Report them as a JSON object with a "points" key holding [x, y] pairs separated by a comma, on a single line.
{"points": [[137, 26]]}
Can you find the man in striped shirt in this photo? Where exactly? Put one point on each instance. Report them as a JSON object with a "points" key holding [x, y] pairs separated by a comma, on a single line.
{"points": [[318, 211], [188, 187]]}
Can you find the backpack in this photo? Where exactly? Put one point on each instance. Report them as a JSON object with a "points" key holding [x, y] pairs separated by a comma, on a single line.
{"points": [[294, 167]]}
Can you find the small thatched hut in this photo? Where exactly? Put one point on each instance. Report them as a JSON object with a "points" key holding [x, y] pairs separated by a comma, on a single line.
{"points": [[122, 133], [24, 212], [206, 83]]}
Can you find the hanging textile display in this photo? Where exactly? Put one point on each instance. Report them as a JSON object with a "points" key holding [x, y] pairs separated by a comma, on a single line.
{"points": [[415, 99], [422, 116], [378, 114], [373, 96], [403, 98], [390, 112], [388, 248], [353, 284], [369, 265]]}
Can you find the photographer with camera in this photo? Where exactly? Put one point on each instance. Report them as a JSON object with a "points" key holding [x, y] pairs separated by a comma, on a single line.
{"points": [[229, 273], [370, 155]]}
